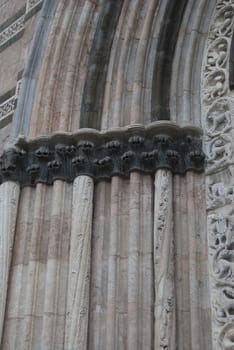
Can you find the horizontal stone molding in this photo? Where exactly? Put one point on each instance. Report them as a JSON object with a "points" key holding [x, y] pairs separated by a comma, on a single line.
{"points": [[103, 154]]}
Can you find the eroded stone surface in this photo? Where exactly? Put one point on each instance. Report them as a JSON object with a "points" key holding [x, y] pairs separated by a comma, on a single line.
{"points": [[9, 197], [77, 313], [164, 275]]}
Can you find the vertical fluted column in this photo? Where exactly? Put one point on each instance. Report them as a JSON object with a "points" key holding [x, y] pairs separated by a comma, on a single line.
{"points": [[9, 198], [113, 264], [191, 269], [164, 262], [133, 261], [79, 266]]}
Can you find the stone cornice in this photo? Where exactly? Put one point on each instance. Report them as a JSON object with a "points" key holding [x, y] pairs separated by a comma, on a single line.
{"points": [[103, 154]]}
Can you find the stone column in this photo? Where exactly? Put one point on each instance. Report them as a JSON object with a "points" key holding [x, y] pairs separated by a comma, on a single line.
{"points": [[164, 262], [9, 198], [79, 266]]}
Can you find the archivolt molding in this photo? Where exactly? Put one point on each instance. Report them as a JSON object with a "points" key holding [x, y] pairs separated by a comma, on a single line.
{"points": [[218, 124], [102, 155]]}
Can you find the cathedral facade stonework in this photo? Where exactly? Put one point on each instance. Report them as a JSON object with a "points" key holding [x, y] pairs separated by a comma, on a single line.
{"points": [[117, 174]]}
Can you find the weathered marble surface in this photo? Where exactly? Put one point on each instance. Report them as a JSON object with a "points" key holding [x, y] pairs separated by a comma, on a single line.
{"points": [[164, 264], [193, 306], [122, 290], [9, 198], [35, 315], [77, 312]]}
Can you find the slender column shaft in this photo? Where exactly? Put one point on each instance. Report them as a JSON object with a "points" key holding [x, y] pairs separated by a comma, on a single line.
{"points": [[164, 262], [79, 266], [133, 262], [34, 269], [113, 265], [9, 198], [57, 262], [100, 233]]}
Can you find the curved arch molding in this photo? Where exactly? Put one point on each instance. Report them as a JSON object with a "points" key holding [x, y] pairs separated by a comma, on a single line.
{"points": [[163, 63], [101, 155]]}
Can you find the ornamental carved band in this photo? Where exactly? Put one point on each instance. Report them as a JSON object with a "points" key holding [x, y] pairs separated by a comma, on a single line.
{"points": [[218, 122], [102, 155]]}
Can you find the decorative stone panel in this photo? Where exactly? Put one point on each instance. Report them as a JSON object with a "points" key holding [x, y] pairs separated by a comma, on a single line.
{"points": [[7, 107], [12, 31], [218, 123], [102, 155], [14, 27]]}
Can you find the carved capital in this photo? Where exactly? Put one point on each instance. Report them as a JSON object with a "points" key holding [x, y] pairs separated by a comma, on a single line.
{"points": [[102, 155]]}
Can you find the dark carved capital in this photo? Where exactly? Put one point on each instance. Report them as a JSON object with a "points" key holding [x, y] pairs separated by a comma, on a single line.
{"points": [[101, 155]]}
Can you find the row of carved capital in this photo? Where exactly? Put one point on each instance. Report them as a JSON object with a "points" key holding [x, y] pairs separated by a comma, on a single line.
{"points": [[102, 155]]}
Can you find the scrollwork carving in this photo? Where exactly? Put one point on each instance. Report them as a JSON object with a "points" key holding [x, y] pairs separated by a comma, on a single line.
{"points": [[226, 337], [215, 85], [218, 122], [219, 195], [217, 54], [221, 242], [219, 152], [219, 118]]}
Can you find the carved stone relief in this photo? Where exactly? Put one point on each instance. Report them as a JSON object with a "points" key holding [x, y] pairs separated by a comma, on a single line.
{"points": [[164, 262], [7, 107], [220, 188], [102, 155], [10, 32], [218, 123], [13, 30], [221, 244]]}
